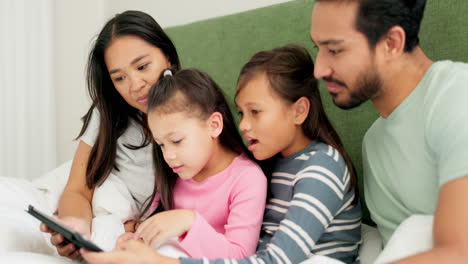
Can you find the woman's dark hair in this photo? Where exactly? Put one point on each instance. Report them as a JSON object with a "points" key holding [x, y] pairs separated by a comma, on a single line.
{"points": [[193, 92], [289, 71], [114, 112], [376, 17]]}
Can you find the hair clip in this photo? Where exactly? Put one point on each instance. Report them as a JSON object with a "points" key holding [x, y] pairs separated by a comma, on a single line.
{"points": [[167, 73]]}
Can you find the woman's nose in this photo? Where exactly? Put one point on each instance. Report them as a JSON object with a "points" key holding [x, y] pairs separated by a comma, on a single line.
{"points": [[136, 83]]}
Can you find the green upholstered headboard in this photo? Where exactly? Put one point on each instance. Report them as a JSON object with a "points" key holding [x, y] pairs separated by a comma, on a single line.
{"points": [[221, 46]]}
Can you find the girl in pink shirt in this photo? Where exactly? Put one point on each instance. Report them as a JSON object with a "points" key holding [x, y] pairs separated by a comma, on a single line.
{"points": [[210, 194]]}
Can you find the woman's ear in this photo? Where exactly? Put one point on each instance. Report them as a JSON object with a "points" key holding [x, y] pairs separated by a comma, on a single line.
{"points": [[301, 110], [215, 124]]}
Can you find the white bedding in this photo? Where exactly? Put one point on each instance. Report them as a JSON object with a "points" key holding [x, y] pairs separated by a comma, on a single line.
{"points": [[112, 206]]}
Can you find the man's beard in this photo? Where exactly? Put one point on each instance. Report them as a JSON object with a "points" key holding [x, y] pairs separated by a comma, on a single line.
{"points": [[368, 85]]}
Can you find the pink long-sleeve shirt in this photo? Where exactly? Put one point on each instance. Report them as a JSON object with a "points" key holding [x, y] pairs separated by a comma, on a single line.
{"points": [[229, 211]]}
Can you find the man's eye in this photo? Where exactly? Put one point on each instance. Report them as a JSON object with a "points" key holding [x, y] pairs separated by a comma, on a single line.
{"points": [[334, 52]]}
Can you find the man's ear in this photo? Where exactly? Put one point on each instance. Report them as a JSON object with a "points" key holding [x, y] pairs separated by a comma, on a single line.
{"points": [[215, 124], [393, 43], [301, 110]]}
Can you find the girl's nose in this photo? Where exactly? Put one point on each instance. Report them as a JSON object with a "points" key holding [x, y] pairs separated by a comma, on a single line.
{"points": [[244, 125], [169, 154]]}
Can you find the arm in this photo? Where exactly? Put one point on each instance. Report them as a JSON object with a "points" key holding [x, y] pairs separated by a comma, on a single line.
{"points": [[247, 203], [76, 197], [75, 204], [446, 134], [245, 195], [450, 229]]}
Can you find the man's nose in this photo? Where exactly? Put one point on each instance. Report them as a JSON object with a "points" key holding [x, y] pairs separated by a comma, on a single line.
{"points": [[322, 67]]}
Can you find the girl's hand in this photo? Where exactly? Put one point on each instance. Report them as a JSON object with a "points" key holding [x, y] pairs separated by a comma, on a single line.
{"points": [[65, 248], [162, 226], [131, 225], [124, 237], [128, 252]]}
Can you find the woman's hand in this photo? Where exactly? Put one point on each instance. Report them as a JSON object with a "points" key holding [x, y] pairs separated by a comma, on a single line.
{"points": [[128, 252], [162, 226], [65, 248]]}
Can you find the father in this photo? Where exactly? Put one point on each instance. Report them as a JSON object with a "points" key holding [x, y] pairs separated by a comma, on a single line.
{"points": [[416, 154]]}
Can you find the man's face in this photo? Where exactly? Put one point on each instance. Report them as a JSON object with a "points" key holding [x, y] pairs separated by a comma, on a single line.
{"points": [[344, 60]]}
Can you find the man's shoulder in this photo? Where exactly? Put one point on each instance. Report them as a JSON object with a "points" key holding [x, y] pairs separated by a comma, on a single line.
{"points": [[447, 85], [450, 72]]}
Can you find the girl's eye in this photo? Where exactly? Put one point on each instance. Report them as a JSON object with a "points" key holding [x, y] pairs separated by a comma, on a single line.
{"points": [[177, 141], [142, 67], [254, 111]]}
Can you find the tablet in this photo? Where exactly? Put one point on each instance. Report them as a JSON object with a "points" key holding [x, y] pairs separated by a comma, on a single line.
{"points": [[70, 235]]}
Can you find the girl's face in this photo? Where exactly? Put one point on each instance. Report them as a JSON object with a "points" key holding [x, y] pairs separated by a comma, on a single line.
{"points": [[267, 121], [187, 142], [134, 66]]}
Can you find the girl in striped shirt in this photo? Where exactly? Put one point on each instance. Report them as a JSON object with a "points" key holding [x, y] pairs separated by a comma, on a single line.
{"points": [[313, 209]]}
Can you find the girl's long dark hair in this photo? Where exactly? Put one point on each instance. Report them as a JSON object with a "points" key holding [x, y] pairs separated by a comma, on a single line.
{"points": [[115, 113], [289, 70], [201, 96]]}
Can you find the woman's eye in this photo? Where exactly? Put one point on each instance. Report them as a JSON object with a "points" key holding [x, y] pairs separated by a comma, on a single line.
{"points": [[254, 111], [142, 67], [120, 78]]}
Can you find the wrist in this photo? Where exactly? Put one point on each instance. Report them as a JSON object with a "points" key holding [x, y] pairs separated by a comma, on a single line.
{"points": [[190, 218]]}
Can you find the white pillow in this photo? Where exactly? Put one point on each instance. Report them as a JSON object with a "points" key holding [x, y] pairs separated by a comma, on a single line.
{"points": [[412, 236], [371, 244]]}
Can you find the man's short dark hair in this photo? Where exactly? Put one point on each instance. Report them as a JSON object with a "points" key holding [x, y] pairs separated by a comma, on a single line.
{"points": [[376, 17]]}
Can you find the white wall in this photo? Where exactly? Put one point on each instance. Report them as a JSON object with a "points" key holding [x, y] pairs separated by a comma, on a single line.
{"points": [[178, 12], [76, 25], [76, 22]]}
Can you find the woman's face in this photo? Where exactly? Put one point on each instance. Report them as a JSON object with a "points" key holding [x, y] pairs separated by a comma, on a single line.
{"points": [[134, 66]]}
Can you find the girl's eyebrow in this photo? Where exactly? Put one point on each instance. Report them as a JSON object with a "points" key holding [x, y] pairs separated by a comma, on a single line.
{"points": [[251, 104], [131, 63]]}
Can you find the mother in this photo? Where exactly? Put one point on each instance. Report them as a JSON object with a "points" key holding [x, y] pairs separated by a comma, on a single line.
{"points": [[128, 55]]}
